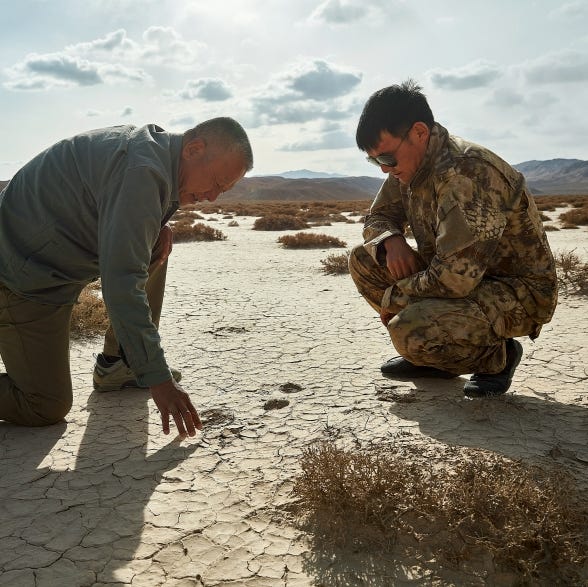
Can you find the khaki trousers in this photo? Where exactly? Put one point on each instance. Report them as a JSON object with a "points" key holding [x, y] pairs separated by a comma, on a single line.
{"points": [[459, 335], [36, 389]]}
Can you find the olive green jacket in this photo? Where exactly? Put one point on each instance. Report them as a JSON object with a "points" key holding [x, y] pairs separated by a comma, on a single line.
{"points": [[473, 218], [92, 206]]}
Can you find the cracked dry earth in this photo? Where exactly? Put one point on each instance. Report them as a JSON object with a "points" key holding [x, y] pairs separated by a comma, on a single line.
{"points": [[275, 354]]}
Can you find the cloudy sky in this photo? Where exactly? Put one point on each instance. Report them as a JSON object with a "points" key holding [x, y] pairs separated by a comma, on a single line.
{"points": [[512, 75]]}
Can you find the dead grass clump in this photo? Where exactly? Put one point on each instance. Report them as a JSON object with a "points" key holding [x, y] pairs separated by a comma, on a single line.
{"points": [[186, 213], [569, 225], [572, 272], [550, 203], [529, 520], [279, 222], [185, 232], [336, 264], [550, 227], [578, 216], [89, 317], [233, 223], [309, 240]]}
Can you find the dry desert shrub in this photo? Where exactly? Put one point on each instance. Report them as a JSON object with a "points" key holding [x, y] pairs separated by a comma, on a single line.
{"points": [[89, 317], [572, 272], [550, 228], [550, 203], [309, 240], [336, 264], [577, 216], [185, 232], [279, 222], [233, 223], [529, 520], [188, 213]]}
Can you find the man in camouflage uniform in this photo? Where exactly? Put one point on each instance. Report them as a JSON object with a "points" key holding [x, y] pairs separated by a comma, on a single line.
{"points": [[483, 273]]}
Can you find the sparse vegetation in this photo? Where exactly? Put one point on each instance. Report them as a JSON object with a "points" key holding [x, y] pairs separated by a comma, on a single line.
{"points": [[185, 231], [336, 264], [89, 317], [482, 502], [279, 222], [572, 272], [233, 223], [309, 240], [577, 216]]}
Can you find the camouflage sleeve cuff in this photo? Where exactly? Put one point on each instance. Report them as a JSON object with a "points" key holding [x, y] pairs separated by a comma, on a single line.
{"points": [[375, 246], [394, 300]]}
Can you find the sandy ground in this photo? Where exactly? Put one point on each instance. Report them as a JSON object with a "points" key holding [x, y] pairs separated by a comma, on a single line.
{"points": [[107, 499]]}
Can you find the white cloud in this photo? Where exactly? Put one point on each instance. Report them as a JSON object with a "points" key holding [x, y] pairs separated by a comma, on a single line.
{"points": [[109, 59], [350, 12], [116, 40], [473, 75], [208, 89], [164, 45], [567, 66], [320, 80], [340, 11], [311, 91]]}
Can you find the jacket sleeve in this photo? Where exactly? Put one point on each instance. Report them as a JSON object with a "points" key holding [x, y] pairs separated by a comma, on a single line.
{"points": [[129, 224], [470, 221], [386, 218]]}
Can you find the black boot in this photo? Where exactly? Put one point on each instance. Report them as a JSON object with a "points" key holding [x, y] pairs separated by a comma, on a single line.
{"points": [[401, 368], [487, 384]]}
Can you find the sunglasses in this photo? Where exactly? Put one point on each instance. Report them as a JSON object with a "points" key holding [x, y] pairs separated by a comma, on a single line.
{"points": [[387, 159]]}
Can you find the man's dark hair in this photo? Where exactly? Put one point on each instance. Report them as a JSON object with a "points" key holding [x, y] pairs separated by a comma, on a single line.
{"points": [[395, 109], [224, 133]]}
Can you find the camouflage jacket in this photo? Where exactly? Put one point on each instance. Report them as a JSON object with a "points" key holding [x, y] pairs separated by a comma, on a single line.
{"points": [[473, 218]]}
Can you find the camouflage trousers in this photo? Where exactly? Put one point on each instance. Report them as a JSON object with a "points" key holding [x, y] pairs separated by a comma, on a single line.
{"points": [[459, 335]]}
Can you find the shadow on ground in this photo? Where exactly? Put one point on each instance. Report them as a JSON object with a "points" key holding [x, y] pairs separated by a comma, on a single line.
{"points": [[73, 512]]}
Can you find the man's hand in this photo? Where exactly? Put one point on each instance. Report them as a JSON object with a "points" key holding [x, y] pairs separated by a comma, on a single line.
{"points": [[165, 241], [401, 259], [172, 400]]}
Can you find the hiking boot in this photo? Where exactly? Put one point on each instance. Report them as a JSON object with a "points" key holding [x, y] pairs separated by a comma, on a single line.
{"points": [[487, 384], [400, 367], [113, 376]]}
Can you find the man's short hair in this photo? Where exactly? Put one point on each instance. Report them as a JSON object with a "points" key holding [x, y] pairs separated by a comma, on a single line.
{"points": [[394, 109], [224, 133]]}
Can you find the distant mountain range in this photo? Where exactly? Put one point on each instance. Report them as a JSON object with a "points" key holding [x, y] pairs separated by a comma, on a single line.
{"points": [[555, 176], [304, 174], [318, 189]]}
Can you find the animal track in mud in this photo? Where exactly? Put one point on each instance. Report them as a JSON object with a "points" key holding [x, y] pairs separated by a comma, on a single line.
{"points": [[275, 404], [290, 387], [216, 417], [387, 394]]}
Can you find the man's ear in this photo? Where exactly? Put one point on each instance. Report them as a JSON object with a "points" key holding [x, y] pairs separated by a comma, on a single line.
{"points": [[194, 148], [421, 132]]}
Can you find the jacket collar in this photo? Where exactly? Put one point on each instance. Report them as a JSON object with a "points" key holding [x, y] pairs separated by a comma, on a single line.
{"points": [[436, 155]]}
